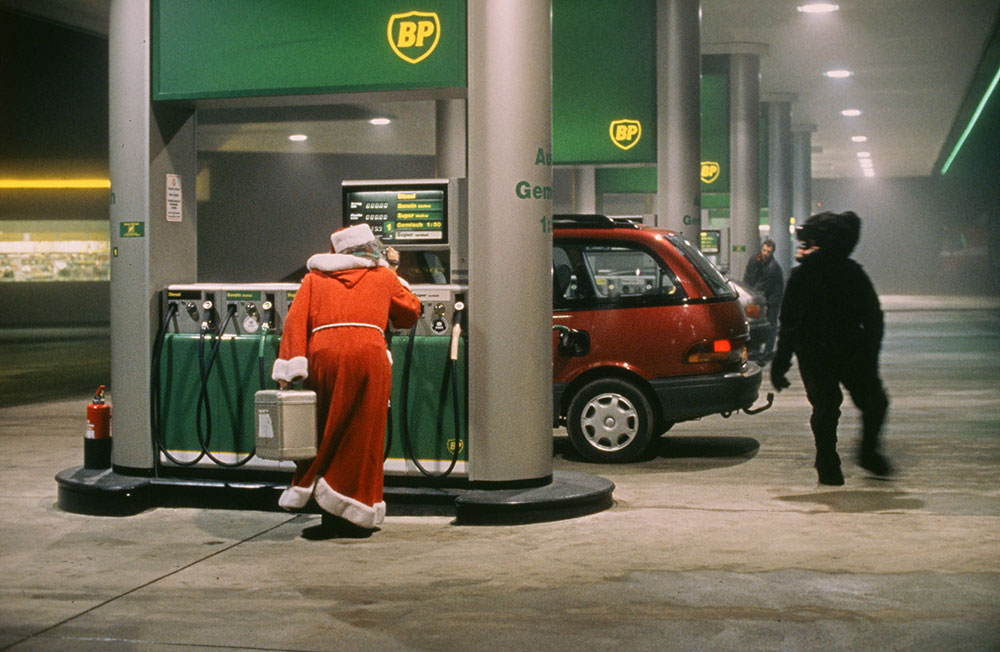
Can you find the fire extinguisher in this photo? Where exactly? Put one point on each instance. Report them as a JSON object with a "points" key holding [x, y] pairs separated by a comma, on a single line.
{"points": [[97, 439]]}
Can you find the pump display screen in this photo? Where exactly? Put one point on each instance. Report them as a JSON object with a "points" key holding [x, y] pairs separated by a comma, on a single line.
{"points": [[400, 215], [710, 241]]}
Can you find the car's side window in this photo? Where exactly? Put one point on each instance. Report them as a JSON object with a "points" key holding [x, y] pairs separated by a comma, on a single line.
{"points": [[597, 274]]}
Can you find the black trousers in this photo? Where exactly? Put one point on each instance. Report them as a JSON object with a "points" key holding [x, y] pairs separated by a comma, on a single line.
{"points": [[858, 374]]}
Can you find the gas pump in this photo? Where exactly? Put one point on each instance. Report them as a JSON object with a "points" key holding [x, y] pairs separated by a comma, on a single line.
{"points": [[427, 433], [213, 351]]}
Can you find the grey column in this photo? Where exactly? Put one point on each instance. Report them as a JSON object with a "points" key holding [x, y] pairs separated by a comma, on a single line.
{"points": [[510, 240], [678, 110], [779, 174], [744, 148], [585, 189], [801, 175], [450, 131], [146, 143]]}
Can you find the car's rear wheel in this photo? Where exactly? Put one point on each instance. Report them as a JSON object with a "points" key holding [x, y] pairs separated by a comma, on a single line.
{"points": [[610, 420]]}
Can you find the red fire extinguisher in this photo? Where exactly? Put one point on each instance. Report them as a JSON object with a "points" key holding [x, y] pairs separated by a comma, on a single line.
{"points": [[97, 439]]}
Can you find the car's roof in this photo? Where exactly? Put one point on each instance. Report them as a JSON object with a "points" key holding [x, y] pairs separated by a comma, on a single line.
{"points": [[596, 222]]}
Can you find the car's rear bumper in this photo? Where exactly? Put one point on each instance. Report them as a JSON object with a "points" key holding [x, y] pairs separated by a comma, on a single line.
{"points": [[690, 397]]}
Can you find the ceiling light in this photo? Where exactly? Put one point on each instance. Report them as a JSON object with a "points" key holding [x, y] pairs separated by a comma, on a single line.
{"points": [[859, 139], [818, 8], [298, 138], [379, 122], [864, 154], [54, 184], [838, 74], [868, 172], [851, 113], [866, 163]]}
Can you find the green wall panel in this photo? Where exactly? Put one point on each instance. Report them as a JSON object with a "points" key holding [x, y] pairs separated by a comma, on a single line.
{"points": [[603, 72], [626, 180], [715, 124], [233, 48]]}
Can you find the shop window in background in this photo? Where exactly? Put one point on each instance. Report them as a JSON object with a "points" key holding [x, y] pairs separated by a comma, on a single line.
{"points": [[54, 250]]}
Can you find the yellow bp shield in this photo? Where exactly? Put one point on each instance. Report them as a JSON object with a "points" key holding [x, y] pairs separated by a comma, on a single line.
{"points": [[414, 35], [710, 171], [625, 133]]}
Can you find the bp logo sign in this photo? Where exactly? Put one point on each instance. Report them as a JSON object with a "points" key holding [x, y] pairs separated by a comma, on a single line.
{"points": [[414, 35], [625, 133], [709, 171]]}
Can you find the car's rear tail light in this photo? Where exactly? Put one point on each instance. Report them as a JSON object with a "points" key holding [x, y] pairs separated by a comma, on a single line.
{"points": [[753, 310], [717, 351]]}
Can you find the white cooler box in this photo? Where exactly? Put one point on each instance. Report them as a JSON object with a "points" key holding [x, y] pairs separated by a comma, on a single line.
{"points": [[285, 421]]}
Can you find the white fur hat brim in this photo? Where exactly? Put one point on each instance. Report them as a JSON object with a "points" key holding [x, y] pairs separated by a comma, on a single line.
{"points": [[352, 236]]}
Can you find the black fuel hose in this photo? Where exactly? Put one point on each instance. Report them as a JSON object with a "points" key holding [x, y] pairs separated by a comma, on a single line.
{"points": [[404, 400], [154, 396], [205, 437]]}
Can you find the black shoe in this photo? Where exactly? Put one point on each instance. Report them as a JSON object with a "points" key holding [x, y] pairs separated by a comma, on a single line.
{"points": [[831, 475], [875, 462], [345, 529]]}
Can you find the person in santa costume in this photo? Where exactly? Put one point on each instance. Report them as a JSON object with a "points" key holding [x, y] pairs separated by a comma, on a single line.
{"points": [[333, 342]]}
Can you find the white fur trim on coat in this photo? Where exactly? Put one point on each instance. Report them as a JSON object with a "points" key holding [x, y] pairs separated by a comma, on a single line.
{"points": [[295, 497], [338, 262], [346, 507], [292, 371]]}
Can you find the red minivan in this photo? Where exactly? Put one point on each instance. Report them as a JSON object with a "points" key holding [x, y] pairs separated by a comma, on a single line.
{"points": [[646, 332]]}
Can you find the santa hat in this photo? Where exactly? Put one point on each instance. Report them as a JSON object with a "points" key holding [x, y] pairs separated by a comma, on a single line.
{"points": [[352, 236]]}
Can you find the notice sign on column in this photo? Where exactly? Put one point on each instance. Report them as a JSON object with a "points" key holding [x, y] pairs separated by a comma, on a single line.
{"points": [[174, 198]]}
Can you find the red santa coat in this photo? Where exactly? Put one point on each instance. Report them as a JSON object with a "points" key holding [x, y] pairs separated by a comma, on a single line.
{"points": [[333, 341]]}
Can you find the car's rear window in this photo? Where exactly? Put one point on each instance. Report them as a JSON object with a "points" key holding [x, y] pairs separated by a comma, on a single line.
{"points": [[708, 272]]}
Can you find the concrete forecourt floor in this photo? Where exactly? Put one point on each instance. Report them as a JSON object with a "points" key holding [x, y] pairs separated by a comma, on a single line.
{"points": [[721, 541]]}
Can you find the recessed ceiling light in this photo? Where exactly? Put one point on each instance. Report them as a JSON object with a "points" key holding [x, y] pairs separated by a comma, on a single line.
{"points": [[838, 74], [851, 113], [859, 139], [818, 8], [868, 172], [298, 138], [379, 121], [864, 154], [866, 163]]}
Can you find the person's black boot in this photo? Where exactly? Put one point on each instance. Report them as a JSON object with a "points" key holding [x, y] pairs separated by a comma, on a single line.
{"points": [[875, 463], [831, 475], [828, 468], [334, 527], [344, 528]]}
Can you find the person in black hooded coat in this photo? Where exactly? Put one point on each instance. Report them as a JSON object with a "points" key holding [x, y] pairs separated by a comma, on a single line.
{"points": [[832, 321]]}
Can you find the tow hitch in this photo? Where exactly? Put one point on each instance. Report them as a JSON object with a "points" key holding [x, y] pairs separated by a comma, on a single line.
{"points": [[770, 402]]}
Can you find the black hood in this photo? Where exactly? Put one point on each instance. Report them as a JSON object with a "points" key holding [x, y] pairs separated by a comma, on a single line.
{"points": [[836, 234]]}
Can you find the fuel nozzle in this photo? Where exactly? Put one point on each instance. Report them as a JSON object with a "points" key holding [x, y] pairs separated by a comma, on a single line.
{"points": [[192, 310], [208, 315], [268, 308], [456, 330], [252, 311]]}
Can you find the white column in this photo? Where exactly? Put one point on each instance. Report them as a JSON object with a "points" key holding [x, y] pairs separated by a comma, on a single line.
{"points": [[678, 111], [744, 147], [779, 174], [510, 240]]}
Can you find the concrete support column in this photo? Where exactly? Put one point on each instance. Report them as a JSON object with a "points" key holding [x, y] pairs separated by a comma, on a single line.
{"points": [[585, 189], [801, 175], [510, 240], [744, 155], [450, 131], [678, 110], [148, 251], [779, 174]]}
